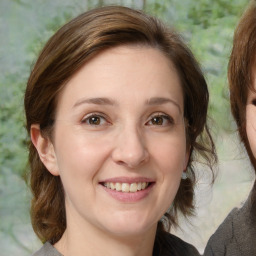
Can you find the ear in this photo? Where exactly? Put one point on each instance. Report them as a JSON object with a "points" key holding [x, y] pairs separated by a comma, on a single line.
{"points": [[45, 149]]}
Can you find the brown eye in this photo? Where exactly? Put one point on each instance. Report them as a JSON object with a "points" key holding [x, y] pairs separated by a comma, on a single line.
{"points": [[254, 102], [157, 120], [160, 120], [94, 120]]}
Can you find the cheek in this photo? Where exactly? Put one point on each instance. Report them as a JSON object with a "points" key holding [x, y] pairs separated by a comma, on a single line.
{"points": [[170, 154], [78, 154], [251, 128], [251, 134]]}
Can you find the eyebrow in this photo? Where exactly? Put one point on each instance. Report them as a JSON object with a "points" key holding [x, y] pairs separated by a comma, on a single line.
{"points": [[96, 101], [161, 101], [106, 101]]}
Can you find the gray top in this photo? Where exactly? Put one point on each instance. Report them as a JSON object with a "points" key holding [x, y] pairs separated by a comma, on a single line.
{"points": [[47, 250], [236, 236]]}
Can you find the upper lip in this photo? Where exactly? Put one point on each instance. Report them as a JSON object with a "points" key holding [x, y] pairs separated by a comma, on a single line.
{"points": [[127, 180]]}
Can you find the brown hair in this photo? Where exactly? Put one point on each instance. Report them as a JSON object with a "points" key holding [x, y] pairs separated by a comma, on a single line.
{"points": [[240, 75], [63, 55]]}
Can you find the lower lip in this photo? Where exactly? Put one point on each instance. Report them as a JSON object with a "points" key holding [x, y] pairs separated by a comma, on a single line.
{"points": [[129, 197]]}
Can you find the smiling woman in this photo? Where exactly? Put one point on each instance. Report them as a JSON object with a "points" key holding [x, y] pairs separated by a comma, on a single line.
{"points": [[115, 123]]}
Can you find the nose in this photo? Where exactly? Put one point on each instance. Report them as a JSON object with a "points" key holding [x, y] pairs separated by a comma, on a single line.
{"points": [[130, 149]]}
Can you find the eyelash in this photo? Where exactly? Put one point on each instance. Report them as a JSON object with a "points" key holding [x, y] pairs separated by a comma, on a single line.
{"points": [[165, 117], [99, 116]]}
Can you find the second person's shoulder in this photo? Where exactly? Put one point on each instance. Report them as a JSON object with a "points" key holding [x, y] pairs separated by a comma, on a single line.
{"points": [[234, 236]]}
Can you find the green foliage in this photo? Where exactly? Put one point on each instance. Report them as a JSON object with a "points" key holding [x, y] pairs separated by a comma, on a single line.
{"points": [[36, 44], [157, 8], [205, 13], [212, 24], [12, 133]]}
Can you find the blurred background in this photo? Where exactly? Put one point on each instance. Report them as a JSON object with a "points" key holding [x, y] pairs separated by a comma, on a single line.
{"points": [[206, 25]]}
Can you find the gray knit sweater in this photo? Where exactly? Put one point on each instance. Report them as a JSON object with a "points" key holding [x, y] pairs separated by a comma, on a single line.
{"points": [[236, 236]]}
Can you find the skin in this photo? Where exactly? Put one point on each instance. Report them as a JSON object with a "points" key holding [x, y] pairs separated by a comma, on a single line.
{"points": [[251, 117], [119, 118]]}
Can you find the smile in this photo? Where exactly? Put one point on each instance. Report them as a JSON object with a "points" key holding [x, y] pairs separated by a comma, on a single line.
{"points": [[126, 187]]}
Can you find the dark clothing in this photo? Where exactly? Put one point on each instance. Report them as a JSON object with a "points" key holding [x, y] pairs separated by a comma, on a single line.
{"points": [[236, 236], [166, 245]]}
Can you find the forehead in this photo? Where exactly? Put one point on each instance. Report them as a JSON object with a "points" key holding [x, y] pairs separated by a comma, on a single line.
{"points": [[137, 53], [126, 69]]}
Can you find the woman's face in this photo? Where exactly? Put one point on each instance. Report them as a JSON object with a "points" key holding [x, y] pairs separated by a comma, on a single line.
{"points": [[119, 141]]}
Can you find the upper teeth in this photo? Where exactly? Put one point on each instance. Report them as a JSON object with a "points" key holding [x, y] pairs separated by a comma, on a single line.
{"points": [[126, 187]]}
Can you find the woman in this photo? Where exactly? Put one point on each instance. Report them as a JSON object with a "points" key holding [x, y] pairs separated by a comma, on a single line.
{"points": [[236, 234], [112, 111]]}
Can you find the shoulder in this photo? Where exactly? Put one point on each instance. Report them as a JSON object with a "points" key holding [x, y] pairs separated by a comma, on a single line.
{"points": [[170, 244], [234, 236], [222, 237], [182, 247], [47, 250]]}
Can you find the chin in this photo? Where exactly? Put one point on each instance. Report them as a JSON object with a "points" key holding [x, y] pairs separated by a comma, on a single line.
{"points": [[129, 227]]}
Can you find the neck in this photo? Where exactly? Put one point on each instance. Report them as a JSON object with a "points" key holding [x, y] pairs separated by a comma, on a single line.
{"points": [[91, 241]]}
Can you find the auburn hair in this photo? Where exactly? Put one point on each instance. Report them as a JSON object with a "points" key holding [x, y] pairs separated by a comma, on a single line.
{"points": [[69, 49]]}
